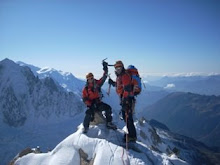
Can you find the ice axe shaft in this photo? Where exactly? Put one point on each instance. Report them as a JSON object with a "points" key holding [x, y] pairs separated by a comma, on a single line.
{"points": [[109, 87]]}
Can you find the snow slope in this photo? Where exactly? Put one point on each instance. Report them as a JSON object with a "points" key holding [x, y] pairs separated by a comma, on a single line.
{"points": [[102, 146]]}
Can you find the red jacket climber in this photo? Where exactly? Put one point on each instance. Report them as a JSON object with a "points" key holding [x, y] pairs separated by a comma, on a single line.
{"points": [[92, 96], [125, 89]]}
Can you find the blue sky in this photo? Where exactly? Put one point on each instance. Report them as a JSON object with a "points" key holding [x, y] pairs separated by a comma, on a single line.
{"points": [[157, 36]]}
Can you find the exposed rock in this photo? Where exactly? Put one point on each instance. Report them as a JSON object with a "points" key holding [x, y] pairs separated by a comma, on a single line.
{"points": [[25, 152], [84, 158], [98, 118]]}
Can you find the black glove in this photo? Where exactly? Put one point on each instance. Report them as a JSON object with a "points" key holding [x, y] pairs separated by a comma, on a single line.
{"points": [[111, 82], [127, 101], [105, 66]]}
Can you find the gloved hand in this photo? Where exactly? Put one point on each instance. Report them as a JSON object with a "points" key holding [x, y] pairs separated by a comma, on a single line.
{"points": [[105, 66], [126, 101], [111, 82]]}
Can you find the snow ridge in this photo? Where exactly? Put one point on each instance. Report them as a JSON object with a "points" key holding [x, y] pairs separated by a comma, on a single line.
{"points": [[103, 146]]}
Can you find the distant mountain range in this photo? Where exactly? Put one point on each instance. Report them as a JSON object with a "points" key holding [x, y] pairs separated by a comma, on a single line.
{"points": [[208, 85], [189, 114], [65, 79]]}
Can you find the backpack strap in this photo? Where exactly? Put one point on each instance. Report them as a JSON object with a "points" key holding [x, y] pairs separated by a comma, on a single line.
{"points": [[130, 86], [127, 72]]}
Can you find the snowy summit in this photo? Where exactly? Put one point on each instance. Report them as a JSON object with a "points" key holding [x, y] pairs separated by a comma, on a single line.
{"points": [[103, 146]]}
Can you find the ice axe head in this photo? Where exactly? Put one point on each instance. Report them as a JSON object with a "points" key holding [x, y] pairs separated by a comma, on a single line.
{"points": [[104, 63]]}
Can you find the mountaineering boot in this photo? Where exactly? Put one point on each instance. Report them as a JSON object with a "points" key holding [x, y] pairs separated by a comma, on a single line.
{"points": [[110, 125], [85, 130]]}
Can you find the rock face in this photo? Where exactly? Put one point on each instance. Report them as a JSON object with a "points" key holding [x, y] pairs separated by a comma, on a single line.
{"points": [[98, 118], [32, 109], [24, 96], [189, 114], [25, 152]]}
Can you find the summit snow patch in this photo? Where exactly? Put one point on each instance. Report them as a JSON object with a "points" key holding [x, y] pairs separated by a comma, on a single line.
{"points": [[101, 146]]}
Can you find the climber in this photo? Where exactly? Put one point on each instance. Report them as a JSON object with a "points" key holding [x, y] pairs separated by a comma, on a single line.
{"points": [[92, 96], [124, 88]]}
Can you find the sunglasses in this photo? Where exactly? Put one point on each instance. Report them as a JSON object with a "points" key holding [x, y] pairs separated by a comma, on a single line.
{"points": [[118, 68], [90, 78]]}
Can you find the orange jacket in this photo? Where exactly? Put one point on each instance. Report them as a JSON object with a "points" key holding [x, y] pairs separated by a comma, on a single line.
{"points": [[92, 91], [125, 85]]}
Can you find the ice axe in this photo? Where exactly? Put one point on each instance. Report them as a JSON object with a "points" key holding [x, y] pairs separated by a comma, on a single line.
{"points": [[105, 63], [109, 87]]}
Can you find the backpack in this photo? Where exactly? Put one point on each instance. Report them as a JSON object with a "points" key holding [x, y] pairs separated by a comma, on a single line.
{"points": [[133, 72]]}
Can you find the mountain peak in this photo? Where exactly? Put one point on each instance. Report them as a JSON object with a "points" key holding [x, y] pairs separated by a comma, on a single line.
{"points": [[97, 140], [9, 67], [103, 146], [48, 70], [7, 61]]}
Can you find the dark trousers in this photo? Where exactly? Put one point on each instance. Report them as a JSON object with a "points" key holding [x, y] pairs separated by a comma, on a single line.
{"points": [[128, 118], [97, 107]]}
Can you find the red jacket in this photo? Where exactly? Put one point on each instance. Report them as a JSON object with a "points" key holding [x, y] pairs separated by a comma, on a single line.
{"points": [[92, 91], [125, 85]]}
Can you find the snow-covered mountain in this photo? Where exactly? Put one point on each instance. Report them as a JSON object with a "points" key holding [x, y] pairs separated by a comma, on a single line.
{"points": [[65, 79], [32, 110], [102, 146], [24, 96], [149, 95], [36, 110]]}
